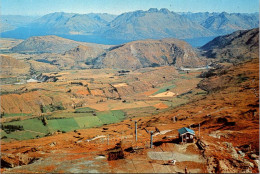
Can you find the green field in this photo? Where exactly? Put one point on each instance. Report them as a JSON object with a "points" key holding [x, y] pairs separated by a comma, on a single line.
{"points": [[66, 122], [119, 114], [16, 115], [30, 124], [84, 110], [164, 89], [141, 111], [32, 128], [107, 117], [68, 115], [22, 135], [88, 122]]}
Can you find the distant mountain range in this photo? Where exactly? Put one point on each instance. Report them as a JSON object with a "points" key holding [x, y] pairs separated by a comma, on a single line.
{"points": [[136, 25], [154, 24], [70, 23], [11, 22], [218, 22]]}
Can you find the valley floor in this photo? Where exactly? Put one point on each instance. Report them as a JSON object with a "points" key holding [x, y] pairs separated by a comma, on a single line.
{"points": [[226, 120]]}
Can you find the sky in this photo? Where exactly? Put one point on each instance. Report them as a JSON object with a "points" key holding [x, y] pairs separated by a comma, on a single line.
{"points": [[42, 7]]}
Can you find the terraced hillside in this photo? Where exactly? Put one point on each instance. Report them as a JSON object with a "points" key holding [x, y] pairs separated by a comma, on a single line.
{"points": [[131, 93]]}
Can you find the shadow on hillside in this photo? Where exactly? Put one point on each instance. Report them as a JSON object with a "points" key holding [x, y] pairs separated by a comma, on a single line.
{"points": [[174, 141]]}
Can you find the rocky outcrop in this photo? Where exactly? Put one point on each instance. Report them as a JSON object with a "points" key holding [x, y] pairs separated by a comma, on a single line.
{"points": [[84, 53], [235, 163], [45, 78], [11, 160]]}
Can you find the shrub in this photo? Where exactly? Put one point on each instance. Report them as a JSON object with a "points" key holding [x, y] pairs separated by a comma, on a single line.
{"points": [[11, 128]]}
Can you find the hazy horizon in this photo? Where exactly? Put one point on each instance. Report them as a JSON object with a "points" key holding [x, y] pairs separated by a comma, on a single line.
{"points": [[116, 7], [40, 15]]}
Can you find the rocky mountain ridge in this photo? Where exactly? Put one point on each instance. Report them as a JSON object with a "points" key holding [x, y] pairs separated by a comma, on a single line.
{"points": [[224, 23], [153, 24], [239, 45], [150, 53], [136, 25]]}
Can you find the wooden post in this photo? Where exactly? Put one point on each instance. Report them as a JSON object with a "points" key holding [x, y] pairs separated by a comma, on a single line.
{"points": [[136, 131], [186, 170], [108, 139], [151, 142], [199, 129]]}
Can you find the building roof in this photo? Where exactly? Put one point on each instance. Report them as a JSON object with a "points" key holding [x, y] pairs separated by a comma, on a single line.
{"points": [[185, 130], [32, 81]]}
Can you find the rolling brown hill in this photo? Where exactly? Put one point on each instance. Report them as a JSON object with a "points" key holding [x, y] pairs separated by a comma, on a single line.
{"points": [[150, 53], [45, 44], [75, 58], [51, 44], [237, 46], [11, 66]]}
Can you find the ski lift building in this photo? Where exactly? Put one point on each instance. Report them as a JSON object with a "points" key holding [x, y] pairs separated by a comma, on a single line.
{"points": [[186, 135]]}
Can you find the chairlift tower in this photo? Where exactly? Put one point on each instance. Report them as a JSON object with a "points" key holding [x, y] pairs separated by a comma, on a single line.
{"points": [[136, 131], [151, 135]]}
